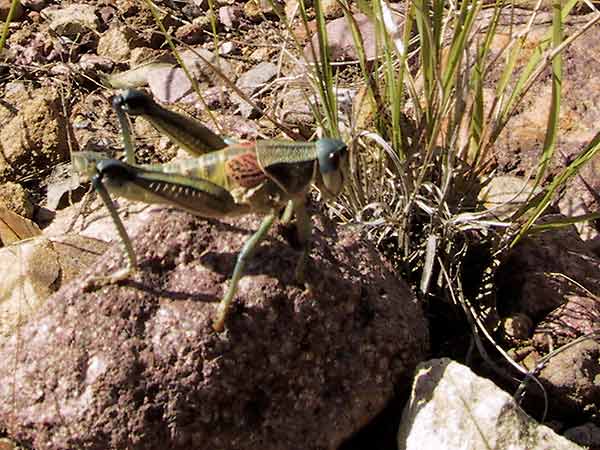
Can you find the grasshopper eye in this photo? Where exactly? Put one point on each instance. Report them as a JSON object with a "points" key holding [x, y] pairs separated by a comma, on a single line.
{"points": [[330, 152], [334, 160]]}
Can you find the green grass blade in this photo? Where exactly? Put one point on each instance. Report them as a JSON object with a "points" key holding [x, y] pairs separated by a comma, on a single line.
{"points": [[553, 117], [9, 17]]}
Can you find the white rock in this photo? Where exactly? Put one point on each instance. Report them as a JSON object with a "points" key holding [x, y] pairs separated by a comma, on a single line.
{"points": [[72, 20], [452, 408]]}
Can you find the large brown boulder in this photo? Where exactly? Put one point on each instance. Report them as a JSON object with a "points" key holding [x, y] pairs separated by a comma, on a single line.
{"points": [[138, 366]]}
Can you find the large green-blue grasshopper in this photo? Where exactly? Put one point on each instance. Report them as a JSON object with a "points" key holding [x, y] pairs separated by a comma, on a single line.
{"points": [[221, 180]]}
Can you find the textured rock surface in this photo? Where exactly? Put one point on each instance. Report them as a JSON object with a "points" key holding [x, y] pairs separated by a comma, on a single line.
{"points": [[519, 146], [542, 280], [581, 197], [452, 408], [580, 315], [341, 43], [114, 44], [586, 434], [36, 137], [33, 269], [73, 19], [572, 381], [137, 366], [537, 277], [16, 199], [251, 81]]}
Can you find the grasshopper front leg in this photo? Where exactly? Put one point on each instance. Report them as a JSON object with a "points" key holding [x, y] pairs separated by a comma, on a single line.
{"points": [[304, 230], [245, 254]]}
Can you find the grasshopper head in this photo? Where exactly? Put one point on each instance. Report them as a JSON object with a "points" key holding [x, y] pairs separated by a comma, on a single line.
{"points": [[132, 101], [332, 155]]}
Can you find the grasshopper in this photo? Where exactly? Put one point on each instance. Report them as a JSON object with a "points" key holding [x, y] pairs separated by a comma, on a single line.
{"points": [[221, 180]]}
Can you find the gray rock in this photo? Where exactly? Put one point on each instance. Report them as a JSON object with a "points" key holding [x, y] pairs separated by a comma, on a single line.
{"points": [[341, 43], [212, 98], [452, 408], [506, 194], [251, 81], [169, 84], [94, 221], [581, 197], [138, 365], [242, 128], [230, 15], [195, 61], [299, 103], [228, 48], [35, 268], [296, 106]]}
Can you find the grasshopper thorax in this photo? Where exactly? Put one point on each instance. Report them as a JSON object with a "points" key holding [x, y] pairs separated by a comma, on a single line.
{"points": [[133, 102]]}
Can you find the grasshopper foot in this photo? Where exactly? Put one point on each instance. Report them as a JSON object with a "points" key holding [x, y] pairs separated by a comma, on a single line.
{"points": [[219, 322], [95, 283], [223, 308]]}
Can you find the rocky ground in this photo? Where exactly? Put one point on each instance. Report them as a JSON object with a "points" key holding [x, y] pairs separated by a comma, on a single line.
{"points": [[138, 365]]}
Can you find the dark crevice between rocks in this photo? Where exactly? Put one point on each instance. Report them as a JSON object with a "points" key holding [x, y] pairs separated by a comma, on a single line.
{"points": [[381, 432]]}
